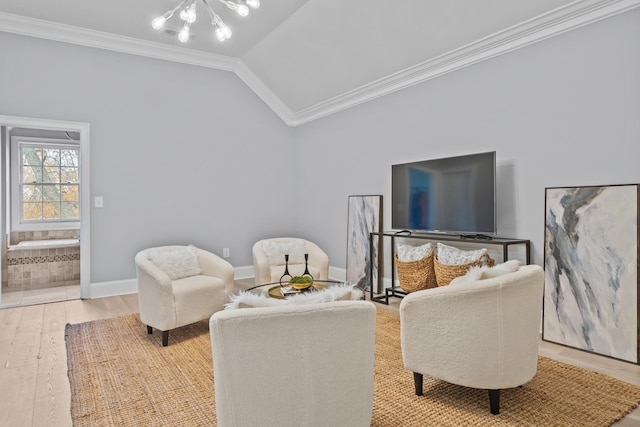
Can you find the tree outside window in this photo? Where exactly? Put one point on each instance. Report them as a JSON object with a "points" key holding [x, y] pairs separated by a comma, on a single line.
{"points": [[50, 183]]}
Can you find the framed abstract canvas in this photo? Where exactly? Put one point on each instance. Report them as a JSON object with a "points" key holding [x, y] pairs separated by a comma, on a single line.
{"points": [[364, 217], [591, 269]]}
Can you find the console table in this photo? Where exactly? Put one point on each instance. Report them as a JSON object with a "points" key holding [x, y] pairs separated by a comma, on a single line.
{"points": [[396, 291]]}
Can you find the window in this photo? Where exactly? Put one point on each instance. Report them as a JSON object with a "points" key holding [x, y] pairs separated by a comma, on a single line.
{"points": [[46, 183]]}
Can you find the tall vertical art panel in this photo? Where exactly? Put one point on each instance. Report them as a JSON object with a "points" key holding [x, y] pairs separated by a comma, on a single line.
{"points": [[364, 216], [591, 269]]}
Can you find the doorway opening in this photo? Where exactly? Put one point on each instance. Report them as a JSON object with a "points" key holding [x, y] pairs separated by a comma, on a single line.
{"points": [[45, 206]]}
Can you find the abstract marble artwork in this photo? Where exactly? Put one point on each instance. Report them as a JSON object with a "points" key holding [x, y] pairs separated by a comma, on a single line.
{"points": [[591, 269], [364, 217]]}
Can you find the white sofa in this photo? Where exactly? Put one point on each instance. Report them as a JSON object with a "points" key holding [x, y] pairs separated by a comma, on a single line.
{"points": [[476, 333], [269, 265], [296, 365], [167, 304]]}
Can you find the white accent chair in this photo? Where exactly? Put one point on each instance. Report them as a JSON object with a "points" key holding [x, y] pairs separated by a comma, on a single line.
{"points": [[167, 304], [476, 333], [297, 365], [269, 265]]}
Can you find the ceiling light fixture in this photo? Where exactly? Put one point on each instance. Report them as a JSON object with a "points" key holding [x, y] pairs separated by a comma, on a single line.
{"points": [[187, 13]]}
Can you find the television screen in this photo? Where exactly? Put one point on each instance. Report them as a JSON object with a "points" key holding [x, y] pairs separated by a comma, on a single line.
{"points": [[453, 195]]}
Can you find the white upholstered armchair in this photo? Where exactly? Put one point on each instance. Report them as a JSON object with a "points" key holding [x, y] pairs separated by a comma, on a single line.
{"points": [[296, 365], [269, 260], [180, 285], [475, 333]]}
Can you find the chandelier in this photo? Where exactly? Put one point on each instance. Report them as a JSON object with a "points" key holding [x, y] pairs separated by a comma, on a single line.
{"points": [[188, 14]]}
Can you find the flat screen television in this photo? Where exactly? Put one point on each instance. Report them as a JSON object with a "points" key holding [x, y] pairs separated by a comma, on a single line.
{"points": [[453, 195]]}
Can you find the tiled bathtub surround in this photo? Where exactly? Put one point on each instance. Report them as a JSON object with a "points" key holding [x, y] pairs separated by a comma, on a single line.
{"points": [[16, 237], [42, 267]]}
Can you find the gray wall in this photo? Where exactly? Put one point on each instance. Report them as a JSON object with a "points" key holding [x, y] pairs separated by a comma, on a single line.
{"points": [[176, 162], [562, 112], [181, 154]]}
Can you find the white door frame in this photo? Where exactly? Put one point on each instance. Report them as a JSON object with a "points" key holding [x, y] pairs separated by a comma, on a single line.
{"points": [[85, 199]]}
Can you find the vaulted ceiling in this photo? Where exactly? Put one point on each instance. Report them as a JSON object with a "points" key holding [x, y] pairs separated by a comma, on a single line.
{"points": [[309, 58]]}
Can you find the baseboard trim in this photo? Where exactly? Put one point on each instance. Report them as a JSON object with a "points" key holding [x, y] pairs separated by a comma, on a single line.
{"points": [[109, 289], [130, 286], [244, 272]]}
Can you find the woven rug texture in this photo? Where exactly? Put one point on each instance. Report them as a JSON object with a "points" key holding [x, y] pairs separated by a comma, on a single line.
{"points": [[121, 376]]}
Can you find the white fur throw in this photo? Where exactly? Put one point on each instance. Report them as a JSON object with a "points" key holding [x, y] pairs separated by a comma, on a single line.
{"points": [[331, 293], [275, 251], [177, 263], [484, 272], [449, 255], [408, 253]]}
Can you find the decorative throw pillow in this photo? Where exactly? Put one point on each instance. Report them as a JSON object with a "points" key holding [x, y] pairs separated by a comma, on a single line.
{"points": [[275, 251], [408, 253], [449, 255], [484, 272], [177, 263], [332, 293]]}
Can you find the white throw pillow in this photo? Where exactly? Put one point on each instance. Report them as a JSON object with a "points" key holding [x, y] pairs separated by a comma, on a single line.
{"points": [[408, 253], [449, 255], [484, 272], [275, 251], [331, 293], [177, 263]]}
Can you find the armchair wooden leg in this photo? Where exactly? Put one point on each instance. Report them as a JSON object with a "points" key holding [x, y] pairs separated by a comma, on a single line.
{"points": [[165, 338], [494, 401], [417, 380], [149, 330]]}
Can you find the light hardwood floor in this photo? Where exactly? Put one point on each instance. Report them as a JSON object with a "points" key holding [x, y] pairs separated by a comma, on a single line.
{"points": [[34, 388]]}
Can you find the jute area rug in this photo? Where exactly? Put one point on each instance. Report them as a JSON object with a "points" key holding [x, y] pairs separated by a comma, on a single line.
{"points": [[120, 376]]}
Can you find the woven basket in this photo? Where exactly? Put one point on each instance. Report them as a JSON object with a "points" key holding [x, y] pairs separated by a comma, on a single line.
{"points": [[416, 275], [446, 273]]}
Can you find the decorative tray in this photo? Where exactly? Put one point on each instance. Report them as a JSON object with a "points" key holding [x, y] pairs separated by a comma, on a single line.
{"points": [[277, 291]]}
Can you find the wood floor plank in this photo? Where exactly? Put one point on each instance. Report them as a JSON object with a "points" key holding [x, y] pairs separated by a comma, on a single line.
{"points": [[17, 395], [54, 317], [9, 318], [52, 411], [52, 366], [79, 311], [29, 326]]}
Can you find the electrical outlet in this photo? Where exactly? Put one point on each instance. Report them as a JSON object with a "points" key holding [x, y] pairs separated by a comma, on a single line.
{"points": [[225, 252], [99, 202]]}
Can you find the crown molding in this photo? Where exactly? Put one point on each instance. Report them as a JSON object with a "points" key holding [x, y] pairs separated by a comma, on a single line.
{"points": [[556, 22], [264, 92], [101, 40]]}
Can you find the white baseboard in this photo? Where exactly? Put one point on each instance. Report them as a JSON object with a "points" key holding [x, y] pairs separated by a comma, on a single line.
{"points": [[130, 286], [336, 273], [109, 289], [244, 272]]}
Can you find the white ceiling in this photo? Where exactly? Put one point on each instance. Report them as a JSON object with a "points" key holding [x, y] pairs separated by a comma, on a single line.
{"points": [[309, 58]]}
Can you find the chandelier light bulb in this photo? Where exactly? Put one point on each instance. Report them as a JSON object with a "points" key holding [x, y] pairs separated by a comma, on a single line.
{"points": [[158, 22], [254, 4], [223, 32], [183, 35], [242, 10], [190, 13], [226, 30], [220, 35]]}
